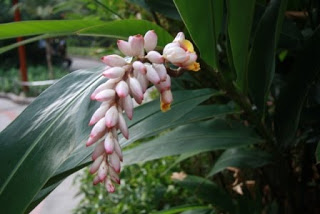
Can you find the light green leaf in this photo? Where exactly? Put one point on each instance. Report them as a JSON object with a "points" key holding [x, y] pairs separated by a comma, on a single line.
{"points": [[240, 158], [196, 137], [203, 20], [180, 209]]}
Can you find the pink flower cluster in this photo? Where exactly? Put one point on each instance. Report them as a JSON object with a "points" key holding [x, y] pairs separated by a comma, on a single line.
{"points": [[129, 77]]}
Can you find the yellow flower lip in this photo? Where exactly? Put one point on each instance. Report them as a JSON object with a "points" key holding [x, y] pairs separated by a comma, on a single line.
{"points": [[165, 106], [193, 67], [187, 45]]}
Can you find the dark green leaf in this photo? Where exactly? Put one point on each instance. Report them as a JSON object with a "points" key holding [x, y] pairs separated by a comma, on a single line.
{"points": [[239, 26], [203, 20], [240, 158], [196, 137], [293, 95], [207, 191], [184, 208], [318, 153], [262, 55]]}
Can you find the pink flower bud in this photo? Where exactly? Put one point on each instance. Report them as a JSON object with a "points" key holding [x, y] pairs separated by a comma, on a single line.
{"points": [[115, 162], [166, 96], [114, 60], [96, 164], [180, 37], [113, 175], [175, 55], [98, 128], [192, 58], [99, 113], [155, 57], [109, 186], [161, 70], [139, 66], [109, 143], [127, 105], [163, 86], [107, 85], [111, 117], [98, 150], [144, 82], [122, 89], [137, 45], [96, 180], [152, 75], [105, 95], [170, 45], [136, 89], [123, 126], [124, 47], [102, 172], [94, 138], [150, 40], [114, 72], [118, 150]]}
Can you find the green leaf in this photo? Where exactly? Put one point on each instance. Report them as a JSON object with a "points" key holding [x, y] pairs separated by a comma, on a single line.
{"points": [[203, 20], [195, 137], [208, 191], [262, 55], [120, 29], [180, 209], [49, 131], [318, 153], [240, 158], [239, 29], [293, 95]]}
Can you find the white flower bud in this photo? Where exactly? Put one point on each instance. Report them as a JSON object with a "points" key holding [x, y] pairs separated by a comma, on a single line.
{"points": [[109, 143], [155, 57], [150, 40], [136, 89], [152, 74], [105, 95], [127, 105], [137, 45], [123, 126], [111, 118], [99, 113], [124, 47], [114, 60], [122, 89], [139, 66], [161, 70], [114, 72], [96, 164]]}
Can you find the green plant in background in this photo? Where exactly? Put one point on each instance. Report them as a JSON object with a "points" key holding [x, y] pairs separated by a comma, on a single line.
{"points": [[257, 116]]}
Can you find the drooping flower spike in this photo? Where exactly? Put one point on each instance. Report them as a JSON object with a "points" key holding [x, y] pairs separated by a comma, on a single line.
{"points": [[128, 79]]}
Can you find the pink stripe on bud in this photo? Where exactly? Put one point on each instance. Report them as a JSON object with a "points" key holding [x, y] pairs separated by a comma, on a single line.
{"points": [[152, 75], [137, 45], [99, 113], [115, 162], [124, 47], [155, 57], [161, 70], [107, 85], [136, 89], [96, 164], [114, 60], [122, 89], [102, 172], [163, 86], [109, 186], [111, 117], [127, 105], [105, 95], [139, 66], [150, 40], [123, 126], [98, 150], [109, 143], [114, 72]]}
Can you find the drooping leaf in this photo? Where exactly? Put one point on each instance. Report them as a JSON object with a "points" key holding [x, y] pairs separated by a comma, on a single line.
{"points": [[148, 113], [203, 20], [262, 55], [207, 191], [239, 26], [196, 137], [240, 158], [293, 95], [120, 29]]}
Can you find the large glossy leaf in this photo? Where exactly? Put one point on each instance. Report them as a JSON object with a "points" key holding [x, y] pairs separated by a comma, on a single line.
{"points": [[121, 29], [262, 55], [208, 191], [35, 145], [179, 209], [145, 117], [241, 158], [239, 26], [203, 20], [293, 95], [195, 137]]}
